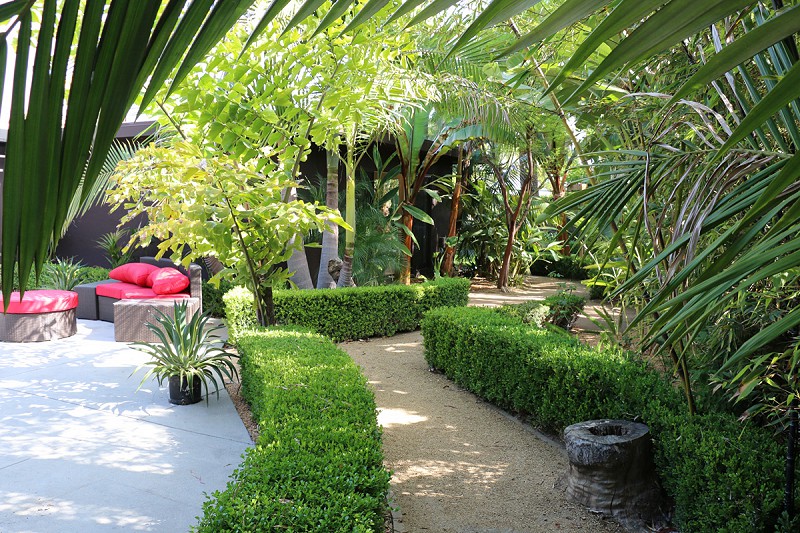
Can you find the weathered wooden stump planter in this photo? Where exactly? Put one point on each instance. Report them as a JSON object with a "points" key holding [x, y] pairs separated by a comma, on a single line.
{"points": [[611, 469]]}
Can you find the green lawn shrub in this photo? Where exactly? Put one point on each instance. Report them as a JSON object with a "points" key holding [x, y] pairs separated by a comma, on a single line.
{"points": [[318, 463], [723, 475], [353, 312]]}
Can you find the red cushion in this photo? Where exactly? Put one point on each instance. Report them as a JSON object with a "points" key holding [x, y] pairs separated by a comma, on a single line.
{"points": [[168, 281], [176, 296], [135, 273], [124, 291], [41, 301]]}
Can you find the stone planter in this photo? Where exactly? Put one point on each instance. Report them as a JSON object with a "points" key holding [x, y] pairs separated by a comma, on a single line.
{"points": [[611, 470]]}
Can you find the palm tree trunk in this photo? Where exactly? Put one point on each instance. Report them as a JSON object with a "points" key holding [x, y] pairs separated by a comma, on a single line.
{"points": [[330, 237], [346, 274], [408, 242], [298, 262]]}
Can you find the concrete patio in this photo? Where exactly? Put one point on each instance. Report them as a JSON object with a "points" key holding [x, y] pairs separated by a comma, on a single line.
{"points": [[82, 450]]}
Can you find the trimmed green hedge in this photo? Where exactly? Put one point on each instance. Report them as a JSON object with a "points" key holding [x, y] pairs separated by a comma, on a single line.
{"points": [[723, 475], [92, 274], [354, 312], [318, 463]]}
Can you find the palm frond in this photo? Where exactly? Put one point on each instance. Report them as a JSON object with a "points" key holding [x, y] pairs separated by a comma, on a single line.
{"points": [[58, 137]]}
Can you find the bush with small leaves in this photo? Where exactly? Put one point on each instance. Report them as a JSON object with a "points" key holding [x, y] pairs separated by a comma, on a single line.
{"points": [[240, 312], [723, 475], [318, 463], [532, 312], [92, 274], [564, 308], [352, 312], [212, 297]]}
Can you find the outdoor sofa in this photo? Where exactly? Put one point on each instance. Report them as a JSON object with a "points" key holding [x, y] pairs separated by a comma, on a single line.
{"points": [[135, 282]]}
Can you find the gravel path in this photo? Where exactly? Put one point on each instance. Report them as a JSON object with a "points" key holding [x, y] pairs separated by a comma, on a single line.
{"points": [[461, 465]]}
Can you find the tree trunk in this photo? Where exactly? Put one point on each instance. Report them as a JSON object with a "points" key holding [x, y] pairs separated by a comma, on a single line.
{"points": [[346, 274], [450, 251], [330, 237], [408, 242], [298, 263], [502, 278], [611, 470], [265, 307]]}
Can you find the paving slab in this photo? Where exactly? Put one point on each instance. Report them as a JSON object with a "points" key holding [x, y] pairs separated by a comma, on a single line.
{"points": [[81, 449]]}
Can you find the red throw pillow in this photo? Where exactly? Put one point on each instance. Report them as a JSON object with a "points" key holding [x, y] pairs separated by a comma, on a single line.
{"points": [[168, 281], [135, 273]]}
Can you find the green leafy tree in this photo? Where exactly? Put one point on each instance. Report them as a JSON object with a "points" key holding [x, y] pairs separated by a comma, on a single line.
{"points": [[201, 204]]}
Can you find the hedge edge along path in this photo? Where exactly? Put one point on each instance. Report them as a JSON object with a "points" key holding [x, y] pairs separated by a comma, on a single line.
{"points": [[318, 462]]}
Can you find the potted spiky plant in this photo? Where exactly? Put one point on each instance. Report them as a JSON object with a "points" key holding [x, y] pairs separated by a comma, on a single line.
{"points": [[188, 356]]}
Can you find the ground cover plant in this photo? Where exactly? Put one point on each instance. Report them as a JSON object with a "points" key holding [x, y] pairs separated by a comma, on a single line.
{"points": [[721, 475], [318, 463], [351, 313]]}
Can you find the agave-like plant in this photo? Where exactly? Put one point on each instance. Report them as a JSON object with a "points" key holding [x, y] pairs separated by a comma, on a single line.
{"points": [[63, 275], [187, 350]]}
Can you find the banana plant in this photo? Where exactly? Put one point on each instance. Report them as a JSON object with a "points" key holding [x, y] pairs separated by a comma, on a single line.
{"points": [[416, 155]]}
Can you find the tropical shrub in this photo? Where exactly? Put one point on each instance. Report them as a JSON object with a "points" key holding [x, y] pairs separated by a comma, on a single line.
{"points": [[318, 464], [63, 274], [722, 475], [113, 245], [563, 308], [186, 349], [354, 312]]}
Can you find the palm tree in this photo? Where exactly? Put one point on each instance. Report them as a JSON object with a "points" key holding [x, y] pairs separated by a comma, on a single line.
{"points": [[153, 36], [330, 237], [757, 214]]}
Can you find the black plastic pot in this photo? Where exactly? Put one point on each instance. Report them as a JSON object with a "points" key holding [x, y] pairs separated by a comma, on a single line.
{"points": [[179, 393]]}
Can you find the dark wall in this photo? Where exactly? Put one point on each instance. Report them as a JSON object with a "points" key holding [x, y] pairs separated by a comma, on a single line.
{"points": [[80, 241]]}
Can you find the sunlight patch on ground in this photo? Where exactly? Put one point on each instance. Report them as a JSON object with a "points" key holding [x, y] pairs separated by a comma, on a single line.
{"points": [[66, 511], [398, 417], [413, 476], [397, 348]]}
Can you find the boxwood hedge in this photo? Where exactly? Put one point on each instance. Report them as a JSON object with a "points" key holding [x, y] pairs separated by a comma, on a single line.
{"points": [[722, 475], [318, 463], [354, 312]]}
